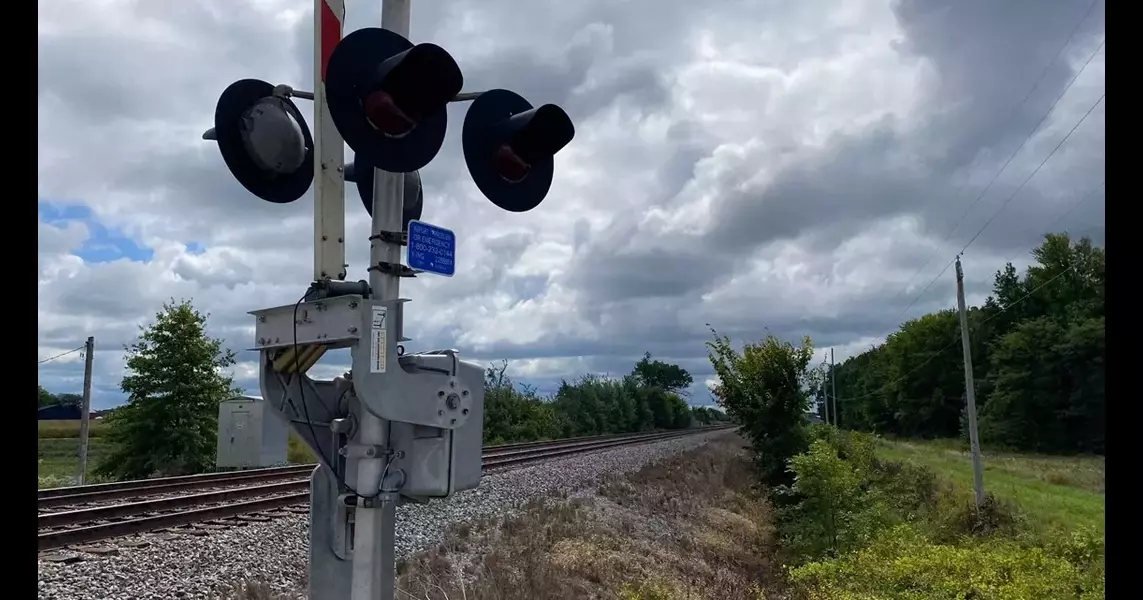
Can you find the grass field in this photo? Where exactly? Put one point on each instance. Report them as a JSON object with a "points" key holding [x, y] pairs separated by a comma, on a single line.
{"points": [[69, 429], [59, 451], [1053, 492], [59, 460]]}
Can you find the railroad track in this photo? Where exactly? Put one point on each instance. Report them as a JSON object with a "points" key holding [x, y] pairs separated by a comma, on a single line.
{"points": [[244, 495]]}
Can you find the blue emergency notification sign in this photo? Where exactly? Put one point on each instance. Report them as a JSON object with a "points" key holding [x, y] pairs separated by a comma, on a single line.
{"points": [[432, 249]]}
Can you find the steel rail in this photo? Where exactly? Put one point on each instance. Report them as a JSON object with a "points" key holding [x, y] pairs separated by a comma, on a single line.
{"points": [[515, 458], [124, 489], [87, 515], [132, 492], [99, 513], [135, 484], [67, 537], [284, 494]]}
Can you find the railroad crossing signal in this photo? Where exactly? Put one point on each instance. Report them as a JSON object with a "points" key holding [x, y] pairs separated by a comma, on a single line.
{"points": [[509, 147], [264, 141], [399, 426], [388, 97]]}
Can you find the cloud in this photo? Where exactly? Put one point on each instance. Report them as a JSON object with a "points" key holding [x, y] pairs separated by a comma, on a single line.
{"points": [[800, 168]]}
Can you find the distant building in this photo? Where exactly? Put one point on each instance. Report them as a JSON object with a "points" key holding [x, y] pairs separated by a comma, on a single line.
{"points": [[59, 412], [814, 417], [66, 412]]}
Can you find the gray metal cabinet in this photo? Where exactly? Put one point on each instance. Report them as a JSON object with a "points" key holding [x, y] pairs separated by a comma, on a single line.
{"points": [[250, 434]]}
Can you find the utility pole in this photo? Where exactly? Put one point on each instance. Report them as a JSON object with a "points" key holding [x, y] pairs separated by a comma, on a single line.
{"points": [[833, 384], [85, 412], [825, 402], [969, 388]]}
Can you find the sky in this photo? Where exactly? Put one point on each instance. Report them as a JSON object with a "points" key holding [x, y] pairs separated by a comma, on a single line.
{"points": [[795, 168]]}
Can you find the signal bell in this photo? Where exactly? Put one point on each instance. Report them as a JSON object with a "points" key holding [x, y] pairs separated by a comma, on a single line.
{"points": [[508, 146], [387, 97], [362, 175], [264, 140]]}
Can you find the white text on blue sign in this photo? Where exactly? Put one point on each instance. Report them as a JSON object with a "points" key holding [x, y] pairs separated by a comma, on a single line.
{"points": [[431, 248]]}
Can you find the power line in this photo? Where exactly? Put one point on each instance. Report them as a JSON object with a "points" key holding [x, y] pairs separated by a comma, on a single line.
{"points": [[60, 355], [930, 285], [1083, 199], [993, 180], [1011, 116], [1018, 190], [1033, 174], [956, 336], [1030, 135]]}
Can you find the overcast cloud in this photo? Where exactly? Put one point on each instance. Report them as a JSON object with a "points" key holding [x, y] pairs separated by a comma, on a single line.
{"points": [[796, 167]]}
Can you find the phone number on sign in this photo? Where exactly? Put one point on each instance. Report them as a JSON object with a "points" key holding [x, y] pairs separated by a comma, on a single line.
{"points": [[441, 256]]}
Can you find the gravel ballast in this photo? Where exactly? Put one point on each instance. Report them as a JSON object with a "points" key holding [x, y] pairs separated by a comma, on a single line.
{"points": [[275, 552]]}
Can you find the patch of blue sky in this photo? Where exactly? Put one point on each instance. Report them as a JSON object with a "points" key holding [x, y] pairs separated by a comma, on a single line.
{"points": [[103, 244]]}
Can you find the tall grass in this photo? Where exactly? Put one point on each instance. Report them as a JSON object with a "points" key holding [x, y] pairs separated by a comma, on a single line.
{"points": [[1055, 492], [891, 520]]}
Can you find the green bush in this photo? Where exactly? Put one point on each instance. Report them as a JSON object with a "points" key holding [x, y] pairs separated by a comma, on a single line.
{"points": [[955, 516], [766, 390], [831, 508], [1083, 547], [903, 565], [854, 447], [590, 405], [910, 489], [889, 530]]}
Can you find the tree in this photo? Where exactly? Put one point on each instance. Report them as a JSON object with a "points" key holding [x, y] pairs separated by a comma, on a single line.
{"points": [[46, 398], [170, 422], [512, 415], [1048, 386], [69, 399], [766, 389], [666, 376], [1038, 356], [706, 415], [588, 405]]}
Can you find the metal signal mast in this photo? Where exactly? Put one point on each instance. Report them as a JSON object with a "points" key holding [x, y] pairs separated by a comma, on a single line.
{"points": [[398, 427]]}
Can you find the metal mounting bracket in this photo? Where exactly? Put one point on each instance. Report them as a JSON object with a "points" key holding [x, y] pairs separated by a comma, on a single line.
{"points": [[415, 389]]}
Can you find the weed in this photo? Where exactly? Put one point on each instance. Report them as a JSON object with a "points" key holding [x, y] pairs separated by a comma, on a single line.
{"points": [[651, 590], [908, 488], [688, 527], [957, 516], [298, 452], [904, 565], [251, 590]]}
